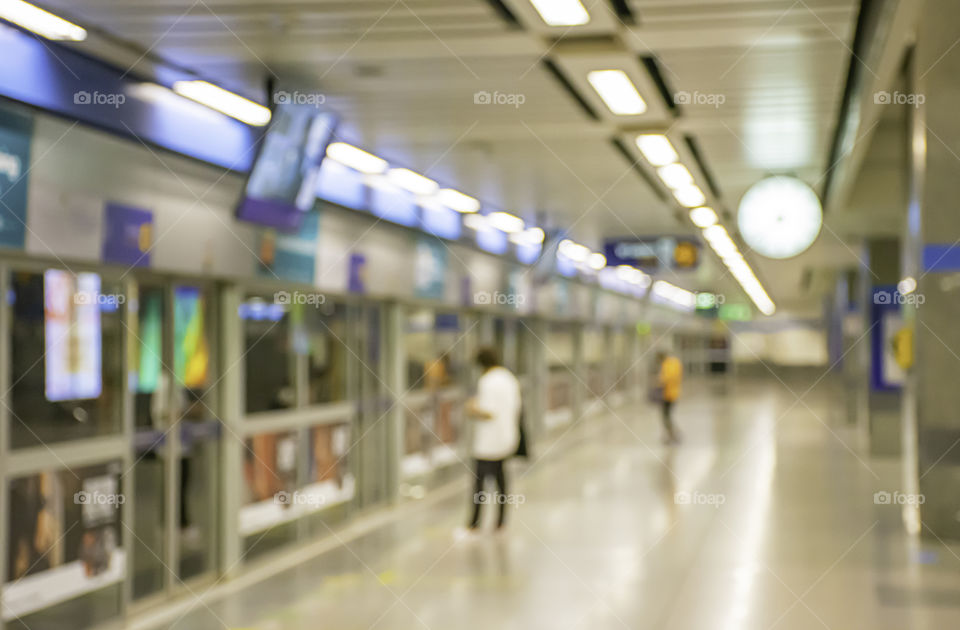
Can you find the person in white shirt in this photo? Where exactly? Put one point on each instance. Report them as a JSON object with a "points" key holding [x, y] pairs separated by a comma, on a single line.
{"points": [[496, 431]]}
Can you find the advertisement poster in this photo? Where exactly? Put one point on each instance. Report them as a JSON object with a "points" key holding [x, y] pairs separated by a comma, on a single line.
{"points": [[72, 362], [150, 332], [331, 481], [191, 358], [64, 537], [885, 373], [127, 235], [430, 269], [291, 256], [270, 472], [15, 134]]}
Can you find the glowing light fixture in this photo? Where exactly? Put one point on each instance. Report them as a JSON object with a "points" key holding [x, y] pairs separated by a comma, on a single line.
{"points": [[561, 12], [355, 158], [596, 261], [907, 286], [675, 176], [41, 22], [617, 91], [664, 292], [476, 222], [656, 149], [412, 181], [690, 196], [780, 217], [456, 200], [224, 101], [703, 217], [574, 251], [506, 222]]}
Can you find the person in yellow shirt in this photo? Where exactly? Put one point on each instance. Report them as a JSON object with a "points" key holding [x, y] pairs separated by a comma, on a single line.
{"points": [[670, 381]]}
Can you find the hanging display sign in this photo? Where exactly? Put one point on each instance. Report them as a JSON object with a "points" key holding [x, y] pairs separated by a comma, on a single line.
{"points": [[658, 252]]}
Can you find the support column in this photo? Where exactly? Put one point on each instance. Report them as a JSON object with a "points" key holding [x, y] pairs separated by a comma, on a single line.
{"points": [[932, 256]]}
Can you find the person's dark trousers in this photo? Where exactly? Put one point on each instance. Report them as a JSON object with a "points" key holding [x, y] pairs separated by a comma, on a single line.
{"points": [[489, 468], [668, 419]]}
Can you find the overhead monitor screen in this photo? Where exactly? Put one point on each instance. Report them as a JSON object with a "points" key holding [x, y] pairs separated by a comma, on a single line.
{"points": [[283, 181]]}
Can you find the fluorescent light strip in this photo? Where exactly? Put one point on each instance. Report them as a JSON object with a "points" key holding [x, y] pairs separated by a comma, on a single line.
{"points": [[412, 182], [355, 158], [224, 101], [506, 222], [41, 22], [456, 200], [718, 238], [617, 91], [675, 176], [703, 217], [596, 261], [690, 196], [574, 251], [675, 295], [561, 12], [656, 149], [476, 222]]}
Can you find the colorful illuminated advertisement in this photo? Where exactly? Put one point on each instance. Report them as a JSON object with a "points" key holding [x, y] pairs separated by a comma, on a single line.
{"points": [[150, 324], [191, 356], [72, 362]]}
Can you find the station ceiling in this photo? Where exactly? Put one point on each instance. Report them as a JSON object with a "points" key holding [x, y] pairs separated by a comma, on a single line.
{"points": [[759, 85]]}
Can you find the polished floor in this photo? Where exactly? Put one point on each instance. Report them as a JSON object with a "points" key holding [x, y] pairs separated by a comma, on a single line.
{"points": [[764, 517]]}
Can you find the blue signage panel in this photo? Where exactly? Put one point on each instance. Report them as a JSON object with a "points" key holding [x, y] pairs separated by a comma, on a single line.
{"points": [[941, 257], [16, 132], [659, 252], [57, 79], [127, 235]]}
